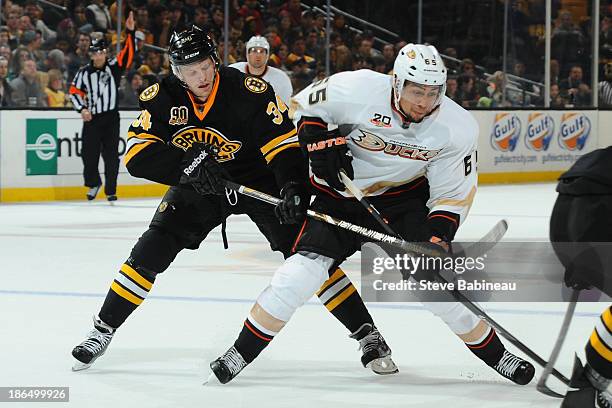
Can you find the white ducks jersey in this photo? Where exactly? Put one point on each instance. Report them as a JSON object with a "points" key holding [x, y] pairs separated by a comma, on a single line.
{"points": [[442, 147], [275, 77]]}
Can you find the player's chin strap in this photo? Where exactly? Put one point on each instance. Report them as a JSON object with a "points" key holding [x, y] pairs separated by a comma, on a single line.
{"points": [[459, 297]]}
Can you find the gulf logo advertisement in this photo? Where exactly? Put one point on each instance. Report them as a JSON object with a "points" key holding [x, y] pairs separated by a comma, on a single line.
{"points": [[540, 131], [505, 132], [574, 131]]}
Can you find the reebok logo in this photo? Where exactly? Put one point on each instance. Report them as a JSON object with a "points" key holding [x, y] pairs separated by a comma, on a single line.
{"points": [[195, 163]]}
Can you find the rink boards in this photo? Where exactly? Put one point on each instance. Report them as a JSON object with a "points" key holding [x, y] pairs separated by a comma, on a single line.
{"points": [[40, 151]]}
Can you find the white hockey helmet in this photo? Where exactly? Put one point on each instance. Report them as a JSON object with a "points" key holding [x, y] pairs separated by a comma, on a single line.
{"points": [[420, 64], [257, 41]]}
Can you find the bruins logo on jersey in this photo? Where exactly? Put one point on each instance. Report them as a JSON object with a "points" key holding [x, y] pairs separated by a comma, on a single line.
{"points": [[149, 93], [185, 138], [255, 84]]}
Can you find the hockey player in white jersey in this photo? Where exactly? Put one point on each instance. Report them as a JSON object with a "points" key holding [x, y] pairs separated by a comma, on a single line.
{"points": [[257, 54], [412, 151]]}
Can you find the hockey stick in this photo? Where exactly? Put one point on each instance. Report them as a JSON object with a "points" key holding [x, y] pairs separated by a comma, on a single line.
{"points": [[429, 250], [484, 245], [542, 387], [461, 298]]}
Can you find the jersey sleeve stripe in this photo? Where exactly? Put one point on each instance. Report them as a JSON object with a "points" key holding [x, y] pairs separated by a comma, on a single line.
{"points": [[146, 136], [308, 122], [76, 91], [443, 216], [466, 202], [134, 150], [273, 154], [272, 144]]}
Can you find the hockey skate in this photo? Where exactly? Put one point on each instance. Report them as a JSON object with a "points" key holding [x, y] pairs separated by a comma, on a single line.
{"points": [[93, 192], [93, 346], [228, 366], [591, 388], [515, 368], [376, 353]]}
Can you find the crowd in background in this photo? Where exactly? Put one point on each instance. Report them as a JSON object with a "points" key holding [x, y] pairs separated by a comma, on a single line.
{"points": [[42, 47]]}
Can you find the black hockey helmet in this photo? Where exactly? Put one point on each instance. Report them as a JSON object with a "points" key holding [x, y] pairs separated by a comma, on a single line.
{"points": [[98, 44], [192, 45]]}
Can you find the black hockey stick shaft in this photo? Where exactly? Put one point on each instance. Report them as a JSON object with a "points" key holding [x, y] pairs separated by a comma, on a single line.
{"points": [[569, 313], [366, 232], [371, 209], [460, 297]]}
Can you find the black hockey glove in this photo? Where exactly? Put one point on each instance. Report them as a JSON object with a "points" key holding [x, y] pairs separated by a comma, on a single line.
{"points": [[328, 155], [293, 205], [202, 171]]}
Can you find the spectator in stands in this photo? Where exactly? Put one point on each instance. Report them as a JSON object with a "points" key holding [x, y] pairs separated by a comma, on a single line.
{"points": [[12, 24], [154, 62], [56, 60], [567, 42], [497, 92], [80, 19], [298, 53], [574, 89], [26, 89], [162, 27], [4, 36], [67, 29], [467, 91], [201, 18], [35, 12], [5, 89], [20, 54], [605, 38], [314, 46], [605, 87], [308, 23], [555, 70], [366, 50], [25, 24], [556, 100], [33, 42], [301, 75], [468, 67], [452, 66], [340, 27], [250, 8], [294, 9], [143, 23], [98, 15], [285, 30], [279, 58], [130, 90], [80, 56], [5, 52], [452, 89], [56, 90], [344, 59], [177, 17], [274, 40], [216, 26], [389, 56]]}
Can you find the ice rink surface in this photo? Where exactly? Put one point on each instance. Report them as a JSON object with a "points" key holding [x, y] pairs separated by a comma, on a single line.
{"points": [[58, 260]]}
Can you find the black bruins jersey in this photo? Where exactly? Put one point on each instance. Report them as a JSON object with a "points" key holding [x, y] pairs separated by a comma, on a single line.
{"points": [[242, 118]]}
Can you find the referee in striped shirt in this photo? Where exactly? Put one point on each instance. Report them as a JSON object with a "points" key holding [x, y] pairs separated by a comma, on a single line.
{"points": [[605, 87], [94, 94]]}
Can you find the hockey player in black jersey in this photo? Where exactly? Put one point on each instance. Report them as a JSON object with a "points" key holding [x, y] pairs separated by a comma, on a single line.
{"points": [[205, 107], [581, 233]]}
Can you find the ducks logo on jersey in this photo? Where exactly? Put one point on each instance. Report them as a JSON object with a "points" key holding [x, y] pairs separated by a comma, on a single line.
{"points": [[374, 143]]}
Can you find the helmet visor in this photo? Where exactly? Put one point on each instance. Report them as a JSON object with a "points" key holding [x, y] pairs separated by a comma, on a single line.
{"points": [[424, 96]]}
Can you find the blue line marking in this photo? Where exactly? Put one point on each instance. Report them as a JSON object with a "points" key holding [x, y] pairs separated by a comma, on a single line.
{"points": [[205, 299]]}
